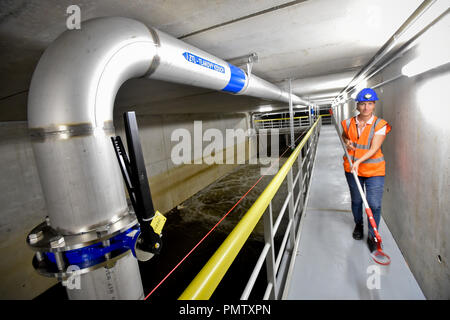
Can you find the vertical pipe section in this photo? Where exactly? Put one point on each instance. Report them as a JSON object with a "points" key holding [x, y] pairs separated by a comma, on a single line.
{"points": [[291, 115], [113, 283], [70, 117]]}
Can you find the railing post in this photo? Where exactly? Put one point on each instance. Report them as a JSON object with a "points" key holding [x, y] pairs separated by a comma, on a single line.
{"points": [[300, 181], [313, 146], [309, 115], [291, 208], [308, 158], [270, 258], [317, 131], [291, 117]]}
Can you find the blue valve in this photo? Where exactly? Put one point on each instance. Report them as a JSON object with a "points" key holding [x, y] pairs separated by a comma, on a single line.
{"points": [[94, 254]]}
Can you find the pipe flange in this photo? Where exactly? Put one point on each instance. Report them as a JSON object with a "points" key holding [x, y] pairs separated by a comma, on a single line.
{"points": [[61, 265], [44, 238], [46, 268]]}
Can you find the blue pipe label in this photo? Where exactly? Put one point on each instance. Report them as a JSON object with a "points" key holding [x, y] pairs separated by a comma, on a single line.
{"points": [[237, 80], [203, 62]]}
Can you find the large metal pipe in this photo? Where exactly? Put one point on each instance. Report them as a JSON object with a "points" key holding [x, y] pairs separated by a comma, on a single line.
{"points": [[70, 116], [180, 62]]}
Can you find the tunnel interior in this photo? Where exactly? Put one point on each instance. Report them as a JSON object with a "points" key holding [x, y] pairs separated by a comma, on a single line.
{"points": [[222, 92]]}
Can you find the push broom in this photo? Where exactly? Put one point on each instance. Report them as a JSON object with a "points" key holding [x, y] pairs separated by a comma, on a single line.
{"points": [[377, 255]]}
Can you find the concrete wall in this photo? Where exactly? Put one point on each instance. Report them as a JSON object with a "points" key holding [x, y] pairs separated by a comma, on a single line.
{"points": [[171, 184], [22, 206], [418, 177], [417, 189]]}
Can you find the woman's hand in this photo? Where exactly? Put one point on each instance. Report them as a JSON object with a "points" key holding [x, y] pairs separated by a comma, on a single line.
{"points": [[355, 166], [349, 144]]}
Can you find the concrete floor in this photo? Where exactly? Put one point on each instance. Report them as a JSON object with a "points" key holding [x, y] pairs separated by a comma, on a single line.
{"points": [[330, 263]]}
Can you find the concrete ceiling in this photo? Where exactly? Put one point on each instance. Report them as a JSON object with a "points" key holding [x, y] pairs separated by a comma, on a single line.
{"points": [[320, 44]]}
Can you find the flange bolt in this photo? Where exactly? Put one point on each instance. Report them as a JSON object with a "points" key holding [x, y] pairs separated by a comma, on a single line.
{"points": [[35, 237], [57, 242]]}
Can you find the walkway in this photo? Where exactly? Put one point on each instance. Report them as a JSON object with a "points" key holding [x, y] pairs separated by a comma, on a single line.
{"points": [[330, 264]]}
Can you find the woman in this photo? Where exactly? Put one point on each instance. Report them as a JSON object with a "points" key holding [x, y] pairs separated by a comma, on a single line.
{"points": [[364, 135]]}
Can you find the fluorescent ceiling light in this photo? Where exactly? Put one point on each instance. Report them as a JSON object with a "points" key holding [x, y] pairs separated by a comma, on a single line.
{"points": [[265, 108], [360, 86], [433, 51], [433, 11], [423, 64]]}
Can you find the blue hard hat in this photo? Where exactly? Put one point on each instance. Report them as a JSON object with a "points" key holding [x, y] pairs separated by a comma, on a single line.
{"points": [[367, 94]]}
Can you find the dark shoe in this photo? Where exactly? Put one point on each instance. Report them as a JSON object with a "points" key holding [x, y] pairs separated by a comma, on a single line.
{"points": [[371, 244], [358, 231]]}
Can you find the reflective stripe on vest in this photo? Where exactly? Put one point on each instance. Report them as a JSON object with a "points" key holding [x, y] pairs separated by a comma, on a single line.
{"points": [[377, 160], [369, 141], [347, 123]]}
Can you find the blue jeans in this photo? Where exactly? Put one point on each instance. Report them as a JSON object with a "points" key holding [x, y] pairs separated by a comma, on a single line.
{"points": [[374, 195]]}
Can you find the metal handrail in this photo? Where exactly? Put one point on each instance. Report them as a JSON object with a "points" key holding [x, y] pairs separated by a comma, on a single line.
{"points": [[209, 277], [277, 119], [327, 119], [281, 122]]}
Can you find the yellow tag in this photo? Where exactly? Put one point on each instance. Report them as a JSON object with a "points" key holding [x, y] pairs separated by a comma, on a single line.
{"points": [[158, 222]]}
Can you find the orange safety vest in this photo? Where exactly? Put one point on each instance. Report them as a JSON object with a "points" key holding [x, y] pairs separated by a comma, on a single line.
{"points": [[374, 166]]}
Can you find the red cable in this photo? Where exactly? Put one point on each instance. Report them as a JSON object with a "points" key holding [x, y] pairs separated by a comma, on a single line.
{"points": [[181, 261]]}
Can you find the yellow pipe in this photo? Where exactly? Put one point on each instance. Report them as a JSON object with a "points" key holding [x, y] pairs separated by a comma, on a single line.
{"points": [[207, 280]]}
